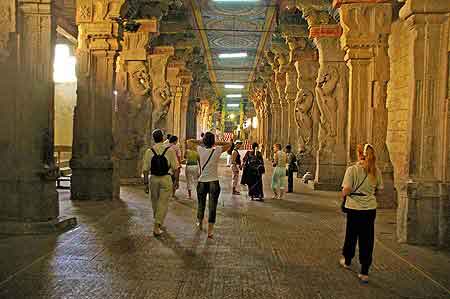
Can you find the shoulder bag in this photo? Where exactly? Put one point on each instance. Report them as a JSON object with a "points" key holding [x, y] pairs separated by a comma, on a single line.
{"points": [[355, 193]]}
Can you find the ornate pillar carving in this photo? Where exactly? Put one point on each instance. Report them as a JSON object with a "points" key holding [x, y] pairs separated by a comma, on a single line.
{"points": [[134, 101], [94, 167], [162, 95], [186, 80], [282, 56], [332, 98], [306, 110], [270, 79], [419, 118], [27, 177], [366, 27]]}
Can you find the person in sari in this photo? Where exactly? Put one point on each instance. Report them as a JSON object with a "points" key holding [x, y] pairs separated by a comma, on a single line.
{"points": [[253, 171]]}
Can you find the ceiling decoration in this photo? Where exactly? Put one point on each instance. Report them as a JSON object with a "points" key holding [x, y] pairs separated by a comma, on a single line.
{"points": [[231, 27]]}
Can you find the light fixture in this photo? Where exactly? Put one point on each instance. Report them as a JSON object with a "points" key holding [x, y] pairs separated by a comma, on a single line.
{"points": [[232, 116], [233, 55], [115, 92], [64, 65], [232, 105], [235, 0], [234, 96], [234, 86]]}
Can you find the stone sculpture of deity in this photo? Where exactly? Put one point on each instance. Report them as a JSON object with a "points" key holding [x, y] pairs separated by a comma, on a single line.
{"points": [[303, 107]]}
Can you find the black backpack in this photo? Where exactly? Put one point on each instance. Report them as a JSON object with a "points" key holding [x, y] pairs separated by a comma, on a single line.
{"points": [[159, 165]]}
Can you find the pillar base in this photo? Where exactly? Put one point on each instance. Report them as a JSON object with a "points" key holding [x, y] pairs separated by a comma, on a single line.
{"points": [[319, 186], [423, 214], [388, 198], [131, 182], [95, 179], [60, 224]]}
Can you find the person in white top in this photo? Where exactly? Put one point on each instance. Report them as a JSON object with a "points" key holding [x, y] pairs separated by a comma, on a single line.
{"points": [[279, 173], [208, 182], [361, 182]]}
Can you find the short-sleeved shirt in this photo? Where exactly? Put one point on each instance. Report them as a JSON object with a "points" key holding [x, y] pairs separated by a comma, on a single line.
{"points": [[177, 150], [354, 176], [210, 173], [159, 149]]}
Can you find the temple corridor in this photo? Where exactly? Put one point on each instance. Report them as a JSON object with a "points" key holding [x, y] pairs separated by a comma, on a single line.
{"points": [[275, 249]]}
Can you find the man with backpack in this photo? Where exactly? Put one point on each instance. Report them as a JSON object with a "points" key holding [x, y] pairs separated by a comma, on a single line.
{"points": [[158, 161]]}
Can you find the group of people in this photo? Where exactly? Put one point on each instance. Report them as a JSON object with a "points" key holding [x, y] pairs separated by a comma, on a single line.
{"points": [[163, 161], [252, 166]]}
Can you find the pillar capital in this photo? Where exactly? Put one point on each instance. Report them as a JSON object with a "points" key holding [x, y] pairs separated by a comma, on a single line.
{"points": [[339, 3]]}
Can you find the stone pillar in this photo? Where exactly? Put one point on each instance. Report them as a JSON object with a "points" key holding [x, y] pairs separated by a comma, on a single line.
{"points": [[419, 118], [184, 116], [173, 70], [332, 99], [280, 80], [291, 84], [95, 170], [27, 177], [306, 109], [133, 101], [366, 26], [162, 96]]}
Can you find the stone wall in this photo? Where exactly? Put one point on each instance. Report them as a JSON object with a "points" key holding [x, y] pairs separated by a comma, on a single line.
{"points": [[65, 100], [398, 99]]}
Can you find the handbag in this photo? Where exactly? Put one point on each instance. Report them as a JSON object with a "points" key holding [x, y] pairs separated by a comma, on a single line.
{"points": [[355, 193]]}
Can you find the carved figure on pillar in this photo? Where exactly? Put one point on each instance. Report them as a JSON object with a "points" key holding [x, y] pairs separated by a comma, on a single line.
{"points": [[303, 117], [161, 100]]}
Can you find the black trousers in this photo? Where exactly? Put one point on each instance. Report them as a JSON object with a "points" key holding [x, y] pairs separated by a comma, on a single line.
{"points": [[360, 228], [203, 189], [290, 174]]}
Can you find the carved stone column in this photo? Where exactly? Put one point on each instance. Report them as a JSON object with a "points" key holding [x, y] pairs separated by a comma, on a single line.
{"points": [[94, 167], [186, 80], [306, 110], [419, 120], [162, 96], [294, 43], [332, 99], [134, 101], [282, 56], [29, 201], [366, 26]]}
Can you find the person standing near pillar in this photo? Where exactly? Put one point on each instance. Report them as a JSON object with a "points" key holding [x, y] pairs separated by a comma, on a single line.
{"points": [[292, 167], [279, 173], [192, 170], [361, 182], [173, 143], [158, 161], [236, 166]]}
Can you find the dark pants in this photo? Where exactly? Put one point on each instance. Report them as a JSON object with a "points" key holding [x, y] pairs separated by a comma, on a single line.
{"points": [[360, 228], [290, 176], [203, 189]]}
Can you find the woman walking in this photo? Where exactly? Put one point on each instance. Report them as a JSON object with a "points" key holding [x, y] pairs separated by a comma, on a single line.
{"points": [[208, 182], [192, 170], [361, 182], [253, 172], [279, 173]]}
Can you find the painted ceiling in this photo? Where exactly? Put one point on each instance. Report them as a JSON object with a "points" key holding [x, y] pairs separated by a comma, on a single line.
{"points": [[231, 27]]}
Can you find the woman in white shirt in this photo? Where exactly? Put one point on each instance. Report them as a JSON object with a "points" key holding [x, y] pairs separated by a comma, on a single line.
{"points": [[279, 173], [208, 182], [361, 182]]}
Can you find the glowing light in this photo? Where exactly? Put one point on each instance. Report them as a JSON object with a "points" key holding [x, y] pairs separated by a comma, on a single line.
{"points": [[115, 92], [232, 116], [64, 65], [234, 86], [234, 96], [255, 122], [233, 105], [233, 55]]}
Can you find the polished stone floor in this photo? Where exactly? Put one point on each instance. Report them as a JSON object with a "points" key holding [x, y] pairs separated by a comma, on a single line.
{"points": [[275, 249]]}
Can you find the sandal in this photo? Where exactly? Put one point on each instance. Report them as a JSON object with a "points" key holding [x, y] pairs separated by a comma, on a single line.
{"points": [[363, 278]]}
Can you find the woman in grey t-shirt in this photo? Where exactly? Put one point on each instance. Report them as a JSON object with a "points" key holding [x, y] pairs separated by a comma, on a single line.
{"points": [[361, 181]]}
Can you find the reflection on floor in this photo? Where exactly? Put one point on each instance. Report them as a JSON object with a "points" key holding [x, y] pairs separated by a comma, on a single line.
{"points": [[275, 249]]}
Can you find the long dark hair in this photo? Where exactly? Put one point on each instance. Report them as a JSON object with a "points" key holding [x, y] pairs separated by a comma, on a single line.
{"points": [[209, 139]]}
